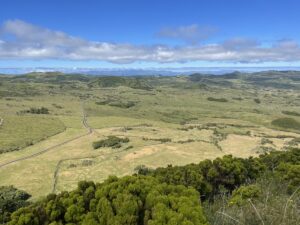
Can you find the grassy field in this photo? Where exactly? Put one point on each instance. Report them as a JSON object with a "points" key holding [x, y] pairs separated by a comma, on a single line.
{"points": [[17, 132], [168, 120]]}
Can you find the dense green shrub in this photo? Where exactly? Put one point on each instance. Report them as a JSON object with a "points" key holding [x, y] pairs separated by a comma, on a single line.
{"points": [[244, 193], [290, 173], [11, 199], [209, 177], [111, 141], [275, 158], [129, 200]]}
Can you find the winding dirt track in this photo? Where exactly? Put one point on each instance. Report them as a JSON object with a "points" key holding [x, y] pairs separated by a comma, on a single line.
{"points": [[85, 124]]}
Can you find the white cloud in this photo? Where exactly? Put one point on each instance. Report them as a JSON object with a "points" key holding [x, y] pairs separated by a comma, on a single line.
{"points": [[21, 40], [25, 32]]}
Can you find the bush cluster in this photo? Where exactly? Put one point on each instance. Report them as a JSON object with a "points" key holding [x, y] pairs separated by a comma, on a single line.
{"points": [[111, 141], [11, 199], [134, 200], [162, 140], [217, 99], [33, 110]]}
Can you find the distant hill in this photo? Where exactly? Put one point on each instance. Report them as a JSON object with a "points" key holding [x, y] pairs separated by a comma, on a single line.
{"points": [[267, 79]]}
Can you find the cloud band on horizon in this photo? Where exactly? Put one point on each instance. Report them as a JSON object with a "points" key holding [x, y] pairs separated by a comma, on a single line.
{"points": [[22, 40]]}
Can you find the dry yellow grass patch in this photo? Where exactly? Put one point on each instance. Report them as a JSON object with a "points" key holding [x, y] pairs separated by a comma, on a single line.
{"points": [[240, 145], [141, 153]]}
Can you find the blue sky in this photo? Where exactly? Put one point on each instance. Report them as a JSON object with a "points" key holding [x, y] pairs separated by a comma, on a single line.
{"points": [[140, 33]]}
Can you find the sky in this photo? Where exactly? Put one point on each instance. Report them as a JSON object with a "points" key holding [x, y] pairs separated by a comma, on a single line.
{"points": [[149, 33]]}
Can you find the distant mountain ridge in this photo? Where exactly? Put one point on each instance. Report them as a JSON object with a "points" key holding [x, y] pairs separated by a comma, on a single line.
{"points": [[264, 79], [147, 71]]}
